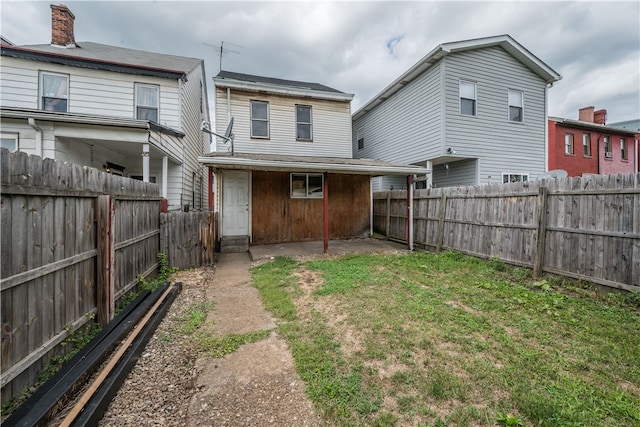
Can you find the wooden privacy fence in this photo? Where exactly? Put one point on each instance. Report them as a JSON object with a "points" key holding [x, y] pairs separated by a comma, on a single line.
{"points": [[69, 234], [188, 238], [586, 228]]}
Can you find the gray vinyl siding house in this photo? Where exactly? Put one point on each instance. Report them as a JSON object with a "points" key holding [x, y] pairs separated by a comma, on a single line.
{"points": [[418, 118]]}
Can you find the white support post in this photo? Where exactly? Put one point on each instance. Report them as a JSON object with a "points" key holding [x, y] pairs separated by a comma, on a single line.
{"points": [[145, 162], [165, 175]]}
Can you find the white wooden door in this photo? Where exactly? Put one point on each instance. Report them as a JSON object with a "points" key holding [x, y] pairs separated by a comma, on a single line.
{"points": [[235, 203]]}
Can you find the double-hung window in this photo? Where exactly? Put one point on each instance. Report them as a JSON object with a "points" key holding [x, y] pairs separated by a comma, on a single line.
{"points": [[607, 147], [467, 98], [586, 144], [516, 106], [259, 119], [307, 185], [623, 148], [360, 138], [54, 92], [147, 101], [304, 130], [568, 143]]}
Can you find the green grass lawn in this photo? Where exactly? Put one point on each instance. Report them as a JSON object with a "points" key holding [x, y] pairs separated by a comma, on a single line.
{"points": [[450, 340]]}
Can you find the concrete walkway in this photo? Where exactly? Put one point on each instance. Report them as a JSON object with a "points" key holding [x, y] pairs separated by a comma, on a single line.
{"points": [[257, 384]]}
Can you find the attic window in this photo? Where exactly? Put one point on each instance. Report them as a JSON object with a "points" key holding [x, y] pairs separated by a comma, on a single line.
{"points": [[147, 102], [360, 138], [54, 90], [467, 98]]}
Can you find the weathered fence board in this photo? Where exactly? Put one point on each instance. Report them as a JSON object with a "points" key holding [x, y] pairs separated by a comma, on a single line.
{"points": [[587, 228], [188, 238], [49, 244]]}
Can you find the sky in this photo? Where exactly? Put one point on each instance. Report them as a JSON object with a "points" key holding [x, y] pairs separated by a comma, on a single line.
{"points": [[361, 47]]}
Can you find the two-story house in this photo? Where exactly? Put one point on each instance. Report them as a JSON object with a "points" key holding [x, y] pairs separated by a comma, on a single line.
{"points": [[129, 112], [587, 146], [473, 111], [288, 174]]}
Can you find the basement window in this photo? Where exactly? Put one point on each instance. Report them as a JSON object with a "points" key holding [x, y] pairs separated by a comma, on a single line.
{"points": [[307, 186], [514, 177]]}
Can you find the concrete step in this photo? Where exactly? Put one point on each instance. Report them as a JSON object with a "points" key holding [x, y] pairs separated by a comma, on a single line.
{"points": [[234, 244]]}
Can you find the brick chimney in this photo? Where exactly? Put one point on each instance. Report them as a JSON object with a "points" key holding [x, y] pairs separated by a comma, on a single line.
{"points": [[585, 114], [62, 26], [600, 117]]}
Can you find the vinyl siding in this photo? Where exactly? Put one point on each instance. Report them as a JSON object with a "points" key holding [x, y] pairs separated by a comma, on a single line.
{"points": [[384, 183], [331, 123], [406, 128], [421, 120], [500, 144], [196, 142], [91, 92], [462, 172]]}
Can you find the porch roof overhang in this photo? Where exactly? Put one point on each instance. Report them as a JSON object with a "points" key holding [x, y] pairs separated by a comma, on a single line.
{"points": [[269, 162]]}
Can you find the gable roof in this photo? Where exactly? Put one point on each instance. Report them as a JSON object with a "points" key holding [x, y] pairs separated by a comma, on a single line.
{"points": [[504, 41], [249, 82], [106, 57]]}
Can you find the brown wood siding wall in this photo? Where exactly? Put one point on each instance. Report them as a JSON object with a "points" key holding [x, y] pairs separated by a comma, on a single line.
{"points": [[277, 218]]}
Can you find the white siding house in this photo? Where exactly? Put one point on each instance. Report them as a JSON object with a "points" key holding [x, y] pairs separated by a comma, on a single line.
{"points": [[290, 176], [130, 112], [472, 111]]}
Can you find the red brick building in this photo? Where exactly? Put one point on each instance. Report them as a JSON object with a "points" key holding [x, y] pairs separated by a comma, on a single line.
{"points": [[587, 146]]}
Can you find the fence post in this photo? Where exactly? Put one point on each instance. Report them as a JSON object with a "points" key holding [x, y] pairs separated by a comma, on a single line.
{"points": [[164, 235], [538, 262], [443, 211], [105, 259], [388, 217]]}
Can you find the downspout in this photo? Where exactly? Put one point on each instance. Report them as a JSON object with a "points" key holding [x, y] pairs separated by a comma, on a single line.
{"points": [[228, 105], [636, 157], [598, 146], [546, 126], [35, 127]]}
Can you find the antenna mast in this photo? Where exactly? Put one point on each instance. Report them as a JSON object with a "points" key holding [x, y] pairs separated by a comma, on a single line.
{"points": [[223, 50]]}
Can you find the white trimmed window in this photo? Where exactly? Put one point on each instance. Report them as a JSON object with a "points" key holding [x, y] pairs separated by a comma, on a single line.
{"points": [[307, 185], [568, 144], [9, 141], [54, 92], [586, 144], [304, 130], [360, 138], [623, 149], [607, 147], [259, 119], [467, 98], [516, 106], [515, 177], [147, 102]]}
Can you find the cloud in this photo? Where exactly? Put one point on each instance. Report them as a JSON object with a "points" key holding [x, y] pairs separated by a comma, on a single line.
{"points": [[361, 47]]}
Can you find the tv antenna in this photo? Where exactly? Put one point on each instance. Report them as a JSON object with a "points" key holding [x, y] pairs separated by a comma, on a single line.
{"points": [[223, 50], [228, 136]]}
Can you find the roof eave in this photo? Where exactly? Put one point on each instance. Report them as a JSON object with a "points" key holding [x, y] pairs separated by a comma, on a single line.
{"points": [[77, 61], [295, 166], [281, 90]]}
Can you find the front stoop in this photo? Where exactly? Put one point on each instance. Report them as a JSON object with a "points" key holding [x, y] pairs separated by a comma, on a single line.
{"points": [[234, 244]]}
